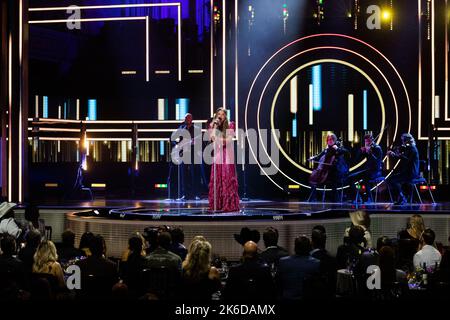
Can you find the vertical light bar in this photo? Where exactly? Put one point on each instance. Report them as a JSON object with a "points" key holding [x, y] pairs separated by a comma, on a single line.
{"points": [[45, 107], [59, 112], [436, 107], [311, 105], [224, 54], [21, 144], [211, 66], [147, 51], [161, 148], [179, 41], [36, 106], [446, 47], [177, 111], [350, 117], [161, 109], [317, 85], [78, 109], [294, 95], [236, 71], [433, 60], [294, 127], [65, 110], [419, 102], [9, 116], [92, 109], [124, 151], [365, 110], [228, 113]]}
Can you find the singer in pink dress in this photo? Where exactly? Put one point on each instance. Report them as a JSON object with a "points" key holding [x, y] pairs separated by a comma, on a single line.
{"points": [[223, 185]]}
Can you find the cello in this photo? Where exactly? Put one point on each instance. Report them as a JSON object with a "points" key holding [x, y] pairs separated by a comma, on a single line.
{"points": [[326, 162]]}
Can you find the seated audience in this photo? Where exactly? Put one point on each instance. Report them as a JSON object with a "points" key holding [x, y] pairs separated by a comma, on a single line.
{"points": [[328, 265], [246, 235], [134, 264], [98, 274], [46, 262], [177, 243], [362, 219], [85, 243], [26, 254], [161, 256], [12, 271], [273, 251], [67, 250], [428, 257], [200, 280], [251, 279], [409, 241], [8, 224], [293, 271]]}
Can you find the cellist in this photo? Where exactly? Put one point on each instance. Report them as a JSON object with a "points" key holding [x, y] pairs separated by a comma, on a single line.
{"points": [[332, 169]]}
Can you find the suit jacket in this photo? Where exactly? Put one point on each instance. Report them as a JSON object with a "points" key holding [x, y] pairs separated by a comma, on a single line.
{"points": [[163, 258], [273, 254], [292, 273], [250, 280]]}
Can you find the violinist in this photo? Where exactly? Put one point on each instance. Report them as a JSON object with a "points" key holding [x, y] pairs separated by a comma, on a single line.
{"points": [[408, 168], [332, 167], [373, 166]]}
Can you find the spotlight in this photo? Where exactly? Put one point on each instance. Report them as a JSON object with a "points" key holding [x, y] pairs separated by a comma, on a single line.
{"points": [[386, 14]]}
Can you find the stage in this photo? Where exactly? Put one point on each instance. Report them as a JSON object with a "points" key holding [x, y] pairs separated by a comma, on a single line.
{"points": [[116, 220]]}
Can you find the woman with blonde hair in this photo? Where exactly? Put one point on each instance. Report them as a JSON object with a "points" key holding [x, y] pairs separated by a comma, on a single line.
{"points": [[200, 279], [46, 261], [223, 184], [410, 240]]}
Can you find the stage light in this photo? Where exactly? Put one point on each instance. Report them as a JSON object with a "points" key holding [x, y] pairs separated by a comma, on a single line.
{"points": [[92, 109], [45, 107], [161, 186], [98, 185], [51, 185], [294, 94], [293, 186], [317, 87], [365, 110], [387, 15]]}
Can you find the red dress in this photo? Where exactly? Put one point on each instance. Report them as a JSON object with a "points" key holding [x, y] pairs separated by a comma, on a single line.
{"points": [[223, 185]]}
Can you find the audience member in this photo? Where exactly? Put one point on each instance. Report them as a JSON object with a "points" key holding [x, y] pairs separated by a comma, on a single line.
{"points": [[178, 243], [200, 280], [8, 224], [273, 251], [67, 250], [293, 271], [46, 262], [428, 257], [251, 279], [26, 254], [327, 262]]}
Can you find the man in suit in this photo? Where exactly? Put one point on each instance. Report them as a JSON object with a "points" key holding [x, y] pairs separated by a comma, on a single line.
{"points": [[327, 262], [98, 274], [187, 138], [295, 271], [162, 256], [273, 251], [408, 168], [251, 279]]}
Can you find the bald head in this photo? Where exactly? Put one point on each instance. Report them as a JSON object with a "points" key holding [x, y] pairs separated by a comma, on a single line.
{"points": [[250, 249]]}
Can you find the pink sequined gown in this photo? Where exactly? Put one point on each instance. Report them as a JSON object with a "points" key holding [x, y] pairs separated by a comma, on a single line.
{"points": [[223, 185]]}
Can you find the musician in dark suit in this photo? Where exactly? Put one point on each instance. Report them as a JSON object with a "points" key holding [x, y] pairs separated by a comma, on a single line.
{"points": [[187, 138], [408, 168], [337, 169], [373, 166]]}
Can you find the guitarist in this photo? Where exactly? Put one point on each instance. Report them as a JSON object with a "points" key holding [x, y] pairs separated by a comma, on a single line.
{"points": [[188, 139], [332, 160]]}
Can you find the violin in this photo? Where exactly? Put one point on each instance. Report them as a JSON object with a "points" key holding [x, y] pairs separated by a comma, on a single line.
{"points": [[320, 174]]}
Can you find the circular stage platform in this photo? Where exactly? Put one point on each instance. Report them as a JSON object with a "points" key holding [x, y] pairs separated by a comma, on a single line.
{"points": [[117, 223]]}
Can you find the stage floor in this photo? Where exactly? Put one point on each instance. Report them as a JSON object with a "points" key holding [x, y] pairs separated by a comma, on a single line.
{"points": [[252, 209]]}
